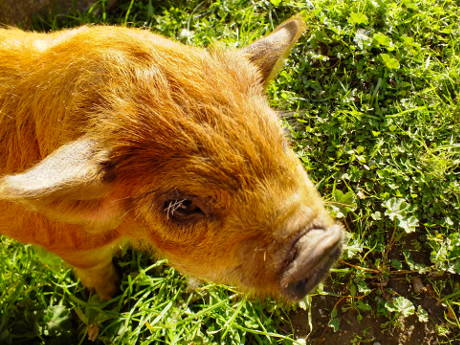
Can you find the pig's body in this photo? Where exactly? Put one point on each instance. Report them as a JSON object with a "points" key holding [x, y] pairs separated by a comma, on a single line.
{"points": [[129, 136]]}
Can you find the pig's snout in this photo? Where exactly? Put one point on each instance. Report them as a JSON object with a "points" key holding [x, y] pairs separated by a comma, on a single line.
{"points": [[312, 256]]}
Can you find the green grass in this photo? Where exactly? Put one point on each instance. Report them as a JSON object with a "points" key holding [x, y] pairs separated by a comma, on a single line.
{"points": [[370, 96]]}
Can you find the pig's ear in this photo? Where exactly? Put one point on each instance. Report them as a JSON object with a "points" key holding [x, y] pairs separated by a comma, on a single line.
{"points": [[69, 185], [269, 52]]}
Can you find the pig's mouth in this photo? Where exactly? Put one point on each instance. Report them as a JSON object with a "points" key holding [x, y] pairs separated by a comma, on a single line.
{"points": [[313, 253]]}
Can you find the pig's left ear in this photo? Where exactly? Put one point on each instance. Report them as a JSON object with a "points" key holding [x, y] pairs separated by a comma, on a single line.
{"points": [[70, 185], [269, 52]]}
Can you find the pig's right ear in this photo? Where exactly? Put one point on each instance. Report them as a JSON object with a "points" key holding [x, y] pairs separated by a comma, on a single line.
{"points": [[69, 185], [269, 52]]}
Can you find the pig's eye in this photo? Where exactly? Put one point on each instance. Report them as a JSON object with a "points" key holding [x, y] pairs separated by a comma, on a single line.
{"points": [[182, 210]]}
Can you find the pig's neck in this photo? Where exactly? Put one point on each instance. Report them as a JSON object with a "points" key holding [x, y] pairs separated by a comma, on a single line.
{"points": [[39, 97]]}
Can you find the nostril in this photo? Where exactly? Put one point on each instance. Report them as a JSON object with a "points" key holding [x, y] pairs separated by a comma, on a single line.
{"points": [[311, 256], [298, 289]]}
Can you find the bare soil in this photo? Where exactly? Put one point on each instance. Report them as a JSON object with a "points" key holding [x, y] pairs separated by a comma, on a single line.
{"points": [[369, 327]]}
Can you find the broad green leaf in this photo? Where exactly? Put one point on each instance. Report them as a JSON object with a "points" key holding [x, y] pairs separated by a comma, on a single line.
{"points": [[401, 306], [357, 18], [408, 224], [276, 2], [389, 61], [382, 39], [422, 314]]}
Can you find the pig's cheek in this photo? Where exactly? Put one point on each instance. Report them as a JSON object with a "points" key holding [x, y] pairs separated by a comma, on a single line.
{"points": [[258, 263]]}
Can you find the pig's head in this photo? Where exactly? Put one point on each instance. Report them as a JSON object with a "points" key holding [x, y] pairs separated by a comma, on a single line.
{"points": [[185, 156]]}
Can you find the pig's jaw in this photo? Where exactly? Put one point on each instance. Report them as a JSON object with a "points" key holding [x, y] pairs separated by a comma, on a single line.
{"points": [[287, 271]]}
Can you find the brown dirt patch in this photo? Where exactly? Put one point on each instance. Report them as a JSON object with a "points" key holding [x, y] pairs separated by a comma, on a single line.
{"points": [[370, 327]]}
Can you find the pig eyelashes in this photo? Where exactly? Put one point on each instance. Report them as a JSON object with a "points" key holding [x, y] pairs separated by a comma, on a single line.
{"points": [[182, 211]]}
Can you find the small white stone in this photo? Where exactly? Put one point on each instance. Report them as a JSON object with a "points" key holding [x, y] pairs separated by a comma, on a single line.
{"points": [[184, 33]]}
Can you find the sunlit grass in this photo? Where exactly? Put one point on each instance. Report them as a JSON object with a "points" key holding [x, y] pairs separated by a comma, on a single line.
{"points": [[372, 96]]}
